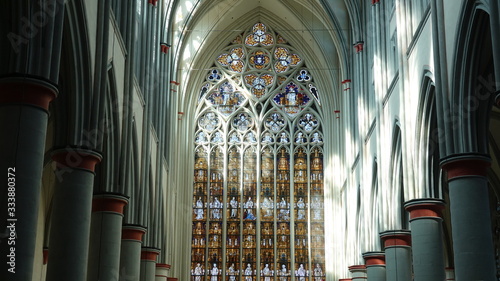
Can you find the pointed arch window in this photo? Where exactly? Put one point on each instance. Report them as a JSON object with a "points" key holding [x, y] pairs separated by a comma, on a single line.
{"points": [[258, 191]]}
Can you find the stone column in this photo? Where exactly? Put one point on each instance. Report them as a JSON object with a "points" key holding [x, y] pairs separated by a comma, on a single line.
{"points": [[71, 212], [397, 244], [130, 254], [148, 263], [105, 236], [426, 225], [470, 217], [375, 266], [358, 272], [162, 272], [24, 103]]}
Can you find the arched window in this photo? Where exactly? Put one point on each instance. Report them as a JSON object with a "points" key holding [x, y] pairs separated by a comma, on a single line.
{"points": [[258, 177]]}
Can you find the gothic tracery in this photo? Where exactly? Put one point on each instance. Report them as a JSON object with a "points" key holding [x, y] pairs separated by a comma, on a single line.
{"points": [[265, 184]]}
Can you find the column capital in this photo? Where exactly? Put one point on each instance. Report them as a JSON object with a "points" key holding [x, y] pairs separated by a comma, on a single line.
{"points": [[358, 46], [357, 267], [425, 208], [109, 202], [76, 158], [463, 165], [357, 271], [164, 47], [374, 258], [149, 253], [27, 91], [163, 265], [133, 232], [396, 238]]}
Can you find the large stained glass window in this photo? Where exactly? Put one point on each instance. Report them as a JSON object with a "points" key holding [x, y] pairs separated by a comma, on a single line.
{"points": [[258, 191]]}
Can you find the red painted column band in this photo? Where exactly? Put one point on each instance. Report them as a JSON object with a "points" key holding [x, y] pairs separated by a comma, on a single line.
{"points": [[374, 259], [396, 238], [109, 203], [45, 255], [163, 265], [358, 272], [425, 208], [27, 91], [468, 165], [357, 268], [149, 254], [133, 232], [164, 47], [359, 46], [76, 158]]}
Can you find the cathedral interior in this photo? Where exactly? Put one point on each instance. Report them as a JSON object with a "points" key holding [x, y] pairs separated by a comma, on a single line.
{"points": [[238, 140]]}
